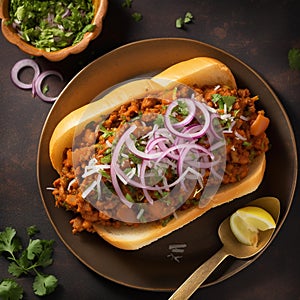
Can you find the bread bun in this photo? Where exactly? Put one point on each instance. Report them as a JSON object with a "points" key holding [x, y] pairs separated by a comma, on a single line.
{"points": [[200, 71], [133, 238], [63, 134]]}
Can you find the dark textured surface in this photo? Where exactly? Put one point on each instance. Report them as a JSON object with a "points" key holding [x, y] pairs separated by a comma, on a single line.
{"points": [[253, 31]]}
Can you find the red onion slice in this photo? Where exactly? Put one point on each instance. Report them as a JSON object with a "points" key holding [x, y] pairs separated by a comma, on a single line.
{"points": [[38, 84], [21, 64]]}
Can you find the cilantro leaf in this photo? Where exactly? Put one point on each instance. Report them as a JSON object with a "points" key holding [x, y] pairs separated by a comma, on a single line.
{"points": [[127, 3], [188, 17], [222, 100], [159, 121], [10, 290], [137, 16], [294, 58], [44, 284], [229, 101], [8, 241], [32, 230], [179, 22], [45, 257], [34, 248], [15, 269]]}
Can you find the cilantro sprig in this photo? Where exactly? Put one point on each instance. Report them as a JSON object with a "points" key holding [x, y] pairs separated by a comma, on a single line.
{"points": [[9, 289], [29, 261], [294, 58]]}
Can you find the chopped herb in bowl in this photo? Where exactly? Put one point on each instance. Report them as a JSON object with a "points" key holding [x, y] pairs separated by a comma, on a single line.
{"points": [[53, 29], [52, 25]]}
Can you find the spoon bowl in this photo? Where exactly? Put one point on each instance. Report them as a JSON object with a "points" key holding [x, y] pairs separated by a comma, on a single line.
{"points": [[231, 247]]}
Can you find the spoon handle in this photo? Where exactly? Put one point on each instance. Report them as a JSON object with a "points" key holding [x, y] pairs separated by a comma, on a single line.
{"points": [[192, 283]]}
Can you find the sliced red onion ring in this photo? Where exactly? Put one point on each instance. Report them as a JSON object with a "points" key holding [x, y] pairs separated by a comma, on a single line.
{"points": [[131, 146], [192, 109], [38, 84], [21, 64], [194, 135]]}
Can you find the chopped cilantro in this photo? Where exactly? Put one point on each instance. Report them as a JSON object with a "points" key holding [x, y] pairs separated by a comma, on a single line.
{"points": [[188, 17], [45, 89], [52, 25], [181, 21], [137, 16], [106, 159], [106, 133], [247, 144], [127, 3], [222, 100], [294, 58], [129, 198], [159, 121], [182, 108]]}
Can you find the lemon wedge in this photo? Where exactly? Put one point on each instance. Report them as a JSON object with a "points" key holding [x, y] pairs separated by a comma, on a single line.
{"points": [[246, 223]]}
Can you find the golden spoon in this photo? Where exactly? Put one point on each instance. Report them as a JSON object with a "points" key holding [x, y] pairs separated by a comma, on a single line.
{"points": [[231, 246]]}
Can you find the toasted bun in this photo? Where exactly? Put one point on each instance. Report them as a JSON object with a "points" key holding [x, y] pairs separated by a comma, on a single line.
{"points": [[63, 134], [201, 71], [133, 238]]}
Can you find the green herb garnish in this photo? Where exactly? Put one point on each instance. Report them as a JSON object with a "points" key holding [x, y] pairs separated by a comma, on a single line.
{"points": [[52, 25], [106, 133], [127, 3], [10, 289], [137, 17], [222, 100], [294, 58], [28, 261], [181, 21]]}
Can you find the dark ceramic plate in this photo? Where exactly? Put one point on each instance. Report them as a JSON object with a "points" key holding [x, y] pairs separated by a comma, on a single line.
{"points": [[139, 268]]}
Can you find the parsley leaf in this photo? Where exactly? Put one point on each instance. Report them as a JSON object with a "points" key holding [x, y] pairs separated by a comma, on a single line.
{"points": [[10, 290], [294, 58]]}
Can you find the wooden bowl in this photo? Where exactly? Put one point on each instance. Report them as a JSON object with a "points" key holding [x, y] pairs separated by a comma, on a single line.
{"points": [[12, 36]]}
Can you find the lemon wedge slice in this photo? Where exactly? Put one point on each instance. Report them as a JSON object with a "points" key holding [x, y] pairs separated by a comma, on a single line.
{"points": [[246, 223]]}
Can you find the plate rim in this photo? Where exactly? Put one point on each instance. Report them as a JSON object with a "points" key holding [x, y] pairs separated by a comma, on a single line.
{"points": [[124, 48]]}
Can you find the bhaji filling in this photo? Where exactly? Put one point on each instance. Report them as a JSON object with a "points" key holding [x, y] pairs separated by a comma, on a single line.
{"points": [[79, 187]]}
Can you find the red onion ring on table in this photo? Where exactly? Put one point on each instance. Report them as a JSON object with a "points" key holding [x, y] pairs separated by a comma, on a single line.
{"points": [[38, 84], [21, 64]]}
